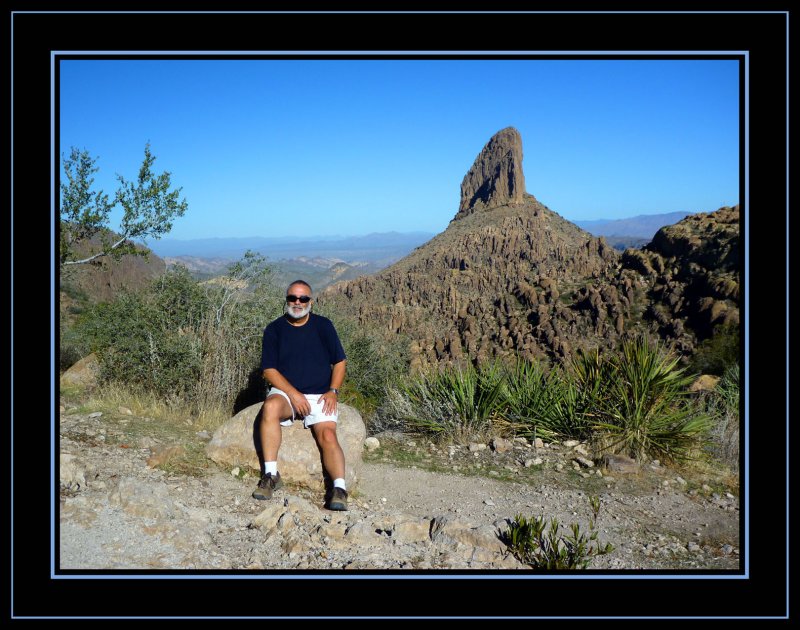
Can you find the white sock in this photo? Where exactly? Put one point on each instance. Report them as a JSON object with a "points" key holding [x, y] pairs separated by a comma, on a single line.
{"points": [[339, 483], [271, 467]]}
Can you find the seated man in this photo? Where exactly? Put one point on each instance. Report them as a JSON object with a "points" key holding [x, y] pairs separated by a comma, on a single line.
{"points": [[304, 362]]}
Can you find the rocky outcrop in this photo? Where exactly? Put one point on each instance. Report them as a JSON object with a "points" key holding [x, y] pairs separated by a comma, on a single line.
{"points": [[691, 270], [496, 177], [237, 443]]}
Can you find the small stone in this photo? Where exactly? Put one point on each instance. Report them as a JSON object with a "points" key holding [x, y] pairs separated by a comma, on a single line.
{"points": [[235, 472], [96, 414], [372, 443]]}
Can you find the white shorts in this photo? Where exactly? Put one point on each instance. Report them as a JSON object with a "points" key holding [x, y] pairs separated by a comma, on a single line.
{"points": [[316, 414]]}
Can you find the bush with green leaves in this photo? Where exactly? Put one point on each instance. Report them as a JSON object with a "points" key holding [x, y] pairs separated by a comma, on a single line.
{"points": [[550, 406], [541, 548], [645, 409], [717, 353], [527, 399], [455, 402], [184, 340]]}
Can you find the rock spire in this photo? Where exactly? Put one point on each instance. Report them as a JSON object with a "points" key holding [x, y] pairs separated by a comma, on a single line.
{"points": [[496, 177]]}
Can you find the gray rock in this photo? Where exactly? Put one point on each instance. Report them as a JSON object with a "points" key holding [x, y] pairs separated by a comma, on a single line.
{"points": [[237, 443], [83, 374], [620, 464]]}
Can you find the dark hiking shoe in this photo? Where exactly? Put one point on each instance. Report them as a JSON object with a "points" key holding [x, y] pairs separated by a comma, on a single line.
{"points": [[338, 500], [267, 485]]}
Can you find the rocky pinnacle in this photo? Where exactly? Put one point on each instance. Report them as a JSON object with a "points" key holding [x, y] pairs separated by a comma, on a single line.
{"points": [[496, 177]]}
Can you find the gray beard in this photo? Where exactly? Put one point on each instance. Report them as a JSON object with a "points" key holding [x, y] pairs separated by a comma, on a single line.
{"points": [[300, 315]]}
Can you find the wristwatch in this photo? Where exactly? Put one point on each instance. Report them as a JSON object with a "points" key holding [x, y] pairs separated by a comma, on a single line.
{"points": [[334, 390]]}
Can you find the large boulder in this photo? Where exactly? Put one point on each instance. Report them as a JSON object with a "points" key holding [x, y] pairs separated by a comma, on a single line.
{"points": [[237, 443], [83, 374]]}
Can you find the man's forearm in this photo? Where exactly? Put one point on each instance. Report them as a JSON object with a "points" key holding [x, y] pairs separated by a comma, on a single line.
{"points": [[278, 380], [337, 377]]}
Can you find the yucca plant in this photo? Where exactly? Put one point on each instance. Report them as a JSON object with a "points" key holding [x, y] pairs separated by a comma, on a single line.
{"points": [[577, 399], [550, 406], [527, 400], [645, 410], [464, 399]]}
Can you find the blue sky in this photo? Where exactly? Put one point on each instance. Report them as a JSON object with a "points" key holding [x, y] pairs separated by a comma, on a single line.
{"points": [[325, 147]]}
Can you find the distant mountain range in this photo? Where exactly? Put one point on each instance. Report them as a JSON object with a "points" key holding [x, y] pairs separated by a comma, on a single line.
{"points": [[318, 260], [631, 232], [372, 248]]}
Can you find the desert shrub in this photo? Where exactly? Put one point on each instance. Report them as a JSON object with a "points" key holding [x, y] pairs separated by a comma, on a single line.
{"points": [[527, 398], [562, 404], [645, 408], [715, 354], [722, 405], [454, 402], [532, 544], [538, 404], [72, 347], [146, 339], [182, 339]]}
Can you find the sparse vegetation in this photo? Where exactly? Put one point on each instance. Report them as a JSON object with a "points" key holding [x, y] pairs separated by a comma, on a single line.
{"points": [[548, 549], [722, 405], [459, 402]]}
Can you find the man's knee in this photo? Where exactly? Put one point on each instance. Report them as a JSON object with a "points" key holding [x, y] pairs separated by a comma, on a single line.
{"points": [[326, 433], [274, 409]]}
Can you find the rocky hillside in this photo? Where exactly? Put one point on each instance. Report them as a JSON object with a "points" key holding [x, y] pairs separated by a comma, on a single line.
{"points": [[509, 275], [692, 273], [103, 279]]}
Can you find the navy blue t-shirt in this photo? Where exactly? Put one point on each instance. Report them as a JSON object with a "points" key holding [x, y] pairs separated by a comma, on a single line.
{"points": [[302, 354]]}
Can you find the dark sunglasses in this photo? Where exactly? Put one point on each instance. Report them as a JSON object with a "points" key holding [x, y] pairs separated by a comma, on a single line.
{"points": [[303, 299]]}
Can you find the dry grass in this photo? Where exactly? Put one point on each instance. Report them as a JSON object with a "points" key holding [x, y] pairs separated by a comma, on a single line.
{"points": [[111, 397]]}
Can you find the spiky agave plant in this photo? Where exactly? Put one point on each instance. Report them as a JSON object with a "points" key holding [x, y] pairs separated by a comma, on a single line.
{"points": [[527, 399], [464, 400], [646, 411]]}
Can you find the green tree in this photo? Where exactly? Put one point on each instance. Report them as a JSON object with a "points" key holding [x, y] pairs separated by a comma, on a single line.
{"points": [[149, 209]]}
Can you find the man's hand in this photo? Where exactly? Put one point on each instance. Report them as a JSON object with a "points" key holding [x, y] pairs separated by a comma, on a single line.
{"points": [[300, 403], [329, 401]]}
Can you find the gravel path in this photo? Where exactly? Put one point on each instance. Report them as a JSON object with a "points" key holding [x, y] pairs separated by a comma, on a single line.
{"points": [[117, 512]]}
